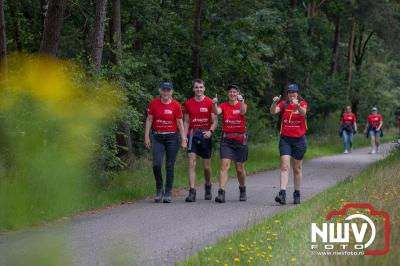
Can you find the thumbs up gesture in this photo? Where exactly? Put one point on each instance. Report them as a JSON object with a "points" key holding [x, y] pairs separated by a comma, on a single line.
{"points": [[276, 98], [240, 98], [215, 99]]}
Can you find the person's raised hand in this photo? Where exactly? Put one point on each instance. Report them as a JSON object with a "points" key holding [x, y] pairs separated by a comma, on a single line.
{"points": [[215, 99], [276, 98], [240, 98]]}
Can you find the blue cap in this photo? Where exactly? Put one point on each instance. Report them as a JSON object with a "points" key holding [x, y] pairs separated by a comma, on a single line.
{"points": [[166, 85], [293, 87], [233, 86]]}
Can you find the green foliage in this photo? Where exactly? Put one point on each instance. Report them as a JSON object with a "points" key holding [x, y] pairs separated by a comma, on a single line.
{"points": [[259, 45]]}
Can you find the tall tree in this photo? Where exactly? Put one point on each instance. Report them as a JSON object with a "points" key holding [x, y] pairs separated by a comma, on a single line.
{"points": [[124, 139], [115, 32], [3, 38], [98, 33], [335, 48], [53, 24], [196, 41]]}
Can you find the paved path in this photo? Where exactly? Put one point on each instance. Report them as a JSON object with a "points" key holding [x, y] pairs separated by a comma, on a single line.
{"points": [[145, 233]]}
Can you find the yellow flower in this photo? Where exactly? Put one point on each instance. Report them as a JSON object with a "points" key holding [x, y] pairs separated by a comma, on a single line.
{"points": [[293, 259], [269, 247], [237, 260]]}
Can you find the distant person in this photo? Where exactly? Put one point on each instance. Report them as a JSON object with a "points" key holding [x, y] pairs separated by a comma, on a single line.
{"points": [[292, 143], [347, 128], [164, 118], [373, 129], [200, 123], [233, 140]]}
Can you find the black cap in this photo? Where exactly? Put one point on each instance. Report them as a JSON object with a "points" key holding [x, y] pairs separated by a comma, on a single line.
{"points": [[166, 85], [233, 86]]}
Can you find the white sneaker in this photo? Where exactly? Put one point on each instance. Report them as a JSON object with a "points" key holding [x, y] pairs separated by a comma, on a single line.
{"points": [[346, 152], [373, 151], [351, 150]]}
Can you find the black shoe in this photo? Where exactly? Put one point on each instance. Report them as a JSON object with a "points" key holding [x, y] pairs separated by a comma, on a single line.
{"points": [[207, 192], [221, 196], [296, 197], [159, 195], [281, 197], [242, 196], [192, 195], [167, 197]]}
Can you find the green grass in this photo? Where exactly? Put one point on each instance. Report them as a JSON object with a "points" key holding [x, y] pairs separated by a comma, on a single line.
{"points": [[138, 183], [284, 239]]}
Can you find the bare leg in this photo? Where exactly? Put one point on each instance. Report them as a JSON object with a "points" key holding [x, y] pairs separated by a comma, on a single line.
{"points": [[285, 165], [192, 169], [241, 173], [207, 171], [223, 178], [297, 173]]}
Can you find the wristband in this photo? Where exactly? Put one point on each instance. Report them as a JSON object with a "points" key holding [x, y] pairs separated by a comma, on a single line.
{"points": [[212, 131]]}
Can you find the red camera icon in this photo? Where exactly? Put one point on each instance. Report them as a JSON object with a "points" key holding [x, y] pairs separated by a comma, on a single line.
{"points": [[372, 212]]}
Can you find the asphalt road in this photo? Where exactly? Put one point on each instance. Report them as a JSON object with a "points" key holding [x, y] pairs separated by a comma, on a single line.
{"points": [[145, 233]]}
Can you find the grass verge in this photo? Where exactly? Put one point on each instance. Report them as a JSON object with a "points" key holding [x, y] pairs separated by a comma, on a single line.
{"points": [[284, 239]]}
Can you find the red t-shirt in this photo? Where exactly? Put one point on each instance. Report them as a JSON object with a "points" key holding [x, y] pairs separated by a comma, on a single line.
{"points": [[232, 120], [348, 119], [293, 124], [199, 112], [374, 120], [165, 115]]}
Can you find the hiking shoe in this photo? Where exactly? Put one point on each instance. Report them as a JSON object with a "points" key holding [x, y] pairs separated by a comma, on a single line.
{"points": [[296, 197], [159, 195], [242, 196], [192, 195], [167, 197], [221, 196], [207, 192], [281, 197]]}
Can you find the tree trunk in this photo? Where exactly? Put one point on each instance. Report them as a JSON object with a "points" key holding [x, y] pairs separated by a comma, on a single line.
{"points": [[98, 33], [124, 138], [3, 38], [350, 51], [350, 60], [52, 27], [138, 43], [196, 67], [335, 49], [293, 4], [115, 32]]}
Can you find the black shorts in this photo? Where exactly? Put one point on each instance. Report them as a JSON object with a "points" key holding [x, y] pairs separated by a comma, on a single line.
{"points": [[200, 146], [295, 147], [233, 150]]}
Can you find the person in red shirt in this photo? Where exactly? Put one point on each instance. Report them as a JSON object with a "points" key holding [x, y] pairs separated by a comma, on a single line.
{"points": [[374, 129], [200, 124], [233, 141], [164, 119], [292, 141], [347, 129]]}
